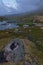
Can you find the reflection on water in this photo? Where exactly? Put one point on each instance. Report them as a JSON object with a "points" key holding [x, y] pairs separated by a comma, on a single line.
{"points": [[4, 25]]}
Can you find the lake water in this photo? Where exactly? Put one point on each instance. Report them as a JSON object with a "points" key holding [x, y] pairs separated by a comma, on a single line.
{"points": [[4, 25]]}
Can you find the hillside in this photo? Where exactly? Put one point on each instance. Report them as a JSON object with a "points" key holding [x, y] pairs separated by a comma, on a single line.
{"points": [[22, 18], [32, 39]]}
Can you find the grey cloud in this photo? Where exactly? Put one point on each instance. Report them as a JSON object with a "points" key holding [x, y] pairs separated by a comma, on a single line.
{"points": [[24, 6]]}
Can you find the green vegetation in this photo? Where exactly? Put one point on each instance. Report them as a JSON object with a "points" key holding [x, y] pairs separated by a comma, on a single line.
{"points": [[32, 33], [23, 19]]}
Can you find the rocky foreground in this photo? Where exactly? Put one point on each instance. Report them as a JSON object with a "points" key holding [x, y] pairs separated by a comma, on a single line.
{"points": [[23, 54]]}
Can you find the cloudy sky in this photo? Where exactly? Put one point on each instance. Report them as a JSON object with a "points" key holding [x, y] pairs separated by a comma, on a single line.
{"points": [[19, 6]]}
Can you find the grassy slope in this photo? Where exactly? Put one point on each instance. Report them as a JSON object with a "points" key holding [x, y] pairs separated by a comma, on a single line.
{"points": [[35, 33], [25, 18]]}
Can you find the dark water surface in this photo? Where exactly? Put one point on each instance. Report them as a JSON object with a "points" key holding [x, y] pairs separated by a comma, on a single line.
{"points": [[4, 25]]}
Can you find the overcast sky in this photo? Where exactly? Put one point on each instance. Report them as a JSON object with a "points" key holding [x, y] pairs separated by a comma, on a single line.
{"points": [[17, 6]]}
